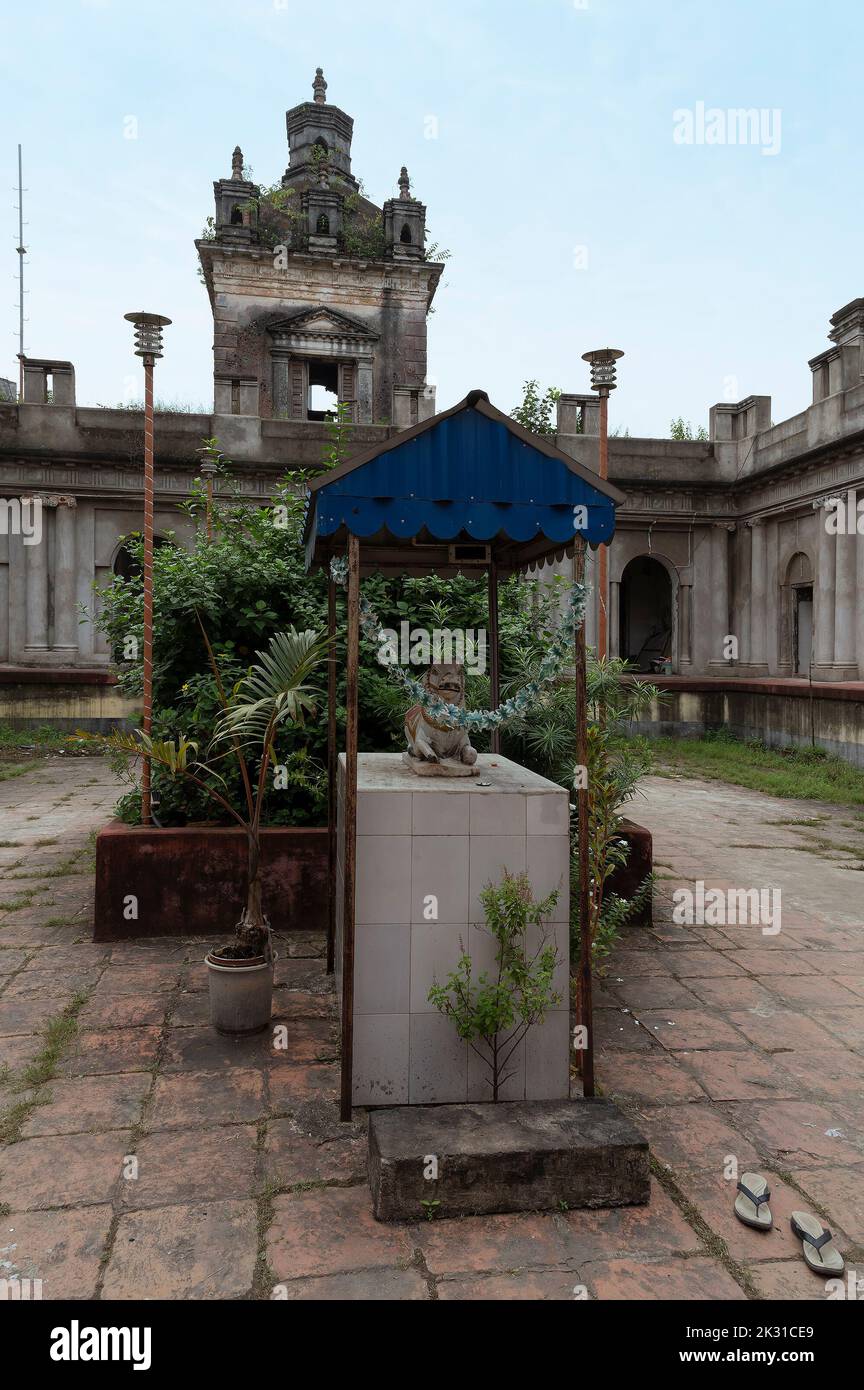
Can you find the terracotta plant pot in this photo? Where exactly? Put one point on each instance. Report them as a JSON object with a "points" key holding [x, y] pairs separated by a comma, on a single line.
{"points": [[241, 993]]}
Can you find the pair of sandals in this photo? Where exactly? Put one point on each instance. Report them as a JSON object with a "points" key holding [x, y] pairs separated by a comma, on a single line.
{"points": [[818, 1249]]}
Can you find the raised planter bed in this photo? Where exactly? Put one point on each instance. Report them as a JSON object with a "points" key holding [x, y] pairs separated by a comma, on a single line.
{"points": [[190, 881]]}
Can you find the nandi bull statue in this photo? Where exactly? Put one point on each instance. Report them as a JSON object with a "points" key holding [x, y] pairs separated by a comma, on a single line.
{"points": [[436, 750]]}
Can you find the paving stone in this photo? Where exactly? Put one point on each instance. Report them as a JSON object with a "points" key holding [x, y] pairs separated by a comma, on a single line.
{"points": [[635, 1232], [738, 1075], [290, 1084], [615, 1031], [833, 1072], [694, 1279], [192, 1165], [694, 1139], [662, 1082], [509, 1241], [307, 975], [815, 993], [691, 1029], [525, 1284], [788, 1279], [780, 1029], [776, 962], [653, 992], [26, 1015], [203, 1049], [63, 1170], [801, 1133], [705, 965], [187, 1099], [89, 1104], [291, 1157], [140, 979], [64, 1251], [123, 1011], [847, 1024], [12, 960], [732, 993], [840, 1192], [333, 1231], [96, 1051], [51, 985], [360, 1286], [205, 1250]]}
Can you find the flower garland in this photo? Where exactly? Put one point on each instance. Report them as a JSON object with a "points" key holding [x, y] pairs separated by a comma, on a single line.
{"points": [[451, 715]]}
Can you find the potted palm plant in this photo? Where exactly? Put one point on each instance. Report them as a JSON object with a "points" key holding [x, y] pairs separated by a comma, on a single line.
{"points": [[275, 691]]}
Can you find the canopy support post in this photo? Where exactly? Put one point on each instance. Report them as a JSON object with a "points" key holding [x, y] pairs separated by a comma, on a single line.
{"points": [[332, 766], [585, 1009], [494, 655], [350, 862]]}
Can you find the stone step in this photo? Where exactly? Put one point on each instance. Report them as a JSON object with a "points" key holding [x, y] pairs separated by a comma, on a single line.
{"points": [[513, 1156]]}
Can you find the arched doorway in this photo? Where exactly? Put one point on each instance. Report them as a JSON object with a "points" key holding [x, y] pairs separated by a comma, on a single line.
{"points": [[797, 609], [646, 615]]}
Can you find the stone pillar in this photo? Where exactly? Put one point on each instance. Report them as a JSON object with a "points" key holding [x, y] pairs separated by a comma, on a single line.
{"points": [[36, 597], [845, 548], [823, 617], [364, 392], [614, 617], [65, 612], [758, 655], [685, 601], [719, 593]]}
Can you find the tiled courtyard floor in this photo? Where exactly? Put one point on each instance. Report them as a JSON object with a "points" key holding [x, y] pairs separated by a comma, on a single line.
{"points": [[159, 1160]]}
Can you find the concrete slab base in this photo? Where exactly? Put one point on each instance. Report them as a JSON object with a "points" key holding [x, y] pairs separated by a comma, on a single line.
{"points": [[476, 1159]]}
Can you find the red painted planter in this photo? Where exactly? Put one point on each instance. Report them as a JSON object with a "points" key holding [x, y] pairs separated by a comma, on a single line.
{"points": [[191, 881]]}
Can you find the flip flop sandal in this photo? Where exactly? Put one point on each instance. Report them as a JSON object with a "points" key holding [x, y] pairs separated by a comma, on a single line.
{"points": [[751, 1206], [820, 1254]]}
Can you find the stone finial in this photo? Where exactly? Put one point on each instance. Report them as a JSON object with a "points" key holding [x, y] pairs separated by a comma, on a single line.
{"points": [[404, 183], [319, 87], [237, 163]]}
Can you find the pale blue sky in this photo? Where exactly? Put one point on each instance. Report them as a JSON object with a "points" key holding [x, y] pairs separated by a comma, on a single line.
{"points": [[715, 267]]}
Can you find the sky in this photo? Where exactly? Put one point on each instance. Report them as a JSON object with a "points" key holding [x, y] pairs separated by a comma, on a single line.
{"points": [[578, 160]]}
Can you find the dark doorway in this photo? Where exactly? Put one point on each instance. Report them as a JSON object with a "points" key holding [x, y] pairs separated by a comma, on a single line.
{"points": [[803, 631], [646, 614], [125, 564]]}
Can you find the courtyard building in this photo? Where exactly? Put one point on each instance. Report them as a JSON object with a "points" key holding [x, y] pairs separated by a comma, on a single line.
{"points": [[735, 576]]}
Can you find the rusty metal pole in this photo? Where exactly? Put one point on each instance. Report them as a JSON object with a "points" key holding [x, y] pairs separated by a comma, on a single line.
{"points": [[148, 346], [584, 1011], [209, 509], [603, 551], [332, 768], [494, 654], [147, 720], [350, 852]]}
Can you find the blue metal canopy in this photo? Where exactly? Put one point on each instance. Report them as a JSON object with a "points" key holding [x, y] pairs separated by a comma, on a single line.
{"points": [[470, 474]]}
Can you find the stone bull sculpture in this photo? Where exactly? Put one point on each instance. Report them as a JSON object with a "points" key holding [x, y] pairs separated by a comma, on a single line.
{"points": [[435, 749]]}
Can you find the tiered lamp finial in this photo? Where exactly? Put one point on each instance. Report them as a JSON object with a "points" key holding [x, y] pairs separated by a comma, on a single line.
{"points": [[404, 183], [237, 163], [319, 87]]}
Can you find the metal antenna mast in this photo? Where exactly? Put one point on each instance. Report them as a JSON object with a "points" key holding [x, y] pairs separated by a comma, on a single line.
{"points": [[22, 251]]}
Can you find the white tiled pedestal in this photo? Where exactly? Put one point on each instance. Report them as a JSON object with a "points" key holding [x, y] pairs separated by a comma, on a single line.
{"points": [[418, 837]]}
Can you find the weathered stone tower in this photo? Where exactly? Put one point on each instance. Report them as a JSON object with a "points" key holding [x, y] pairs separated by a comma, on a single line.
{"points": [[314, 286]]}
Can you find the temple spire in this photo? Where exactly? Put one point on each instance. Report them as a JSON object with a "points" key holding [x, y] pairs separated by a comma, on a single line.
{"points": [[319, 87], [237, 163], [404, 183]]}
